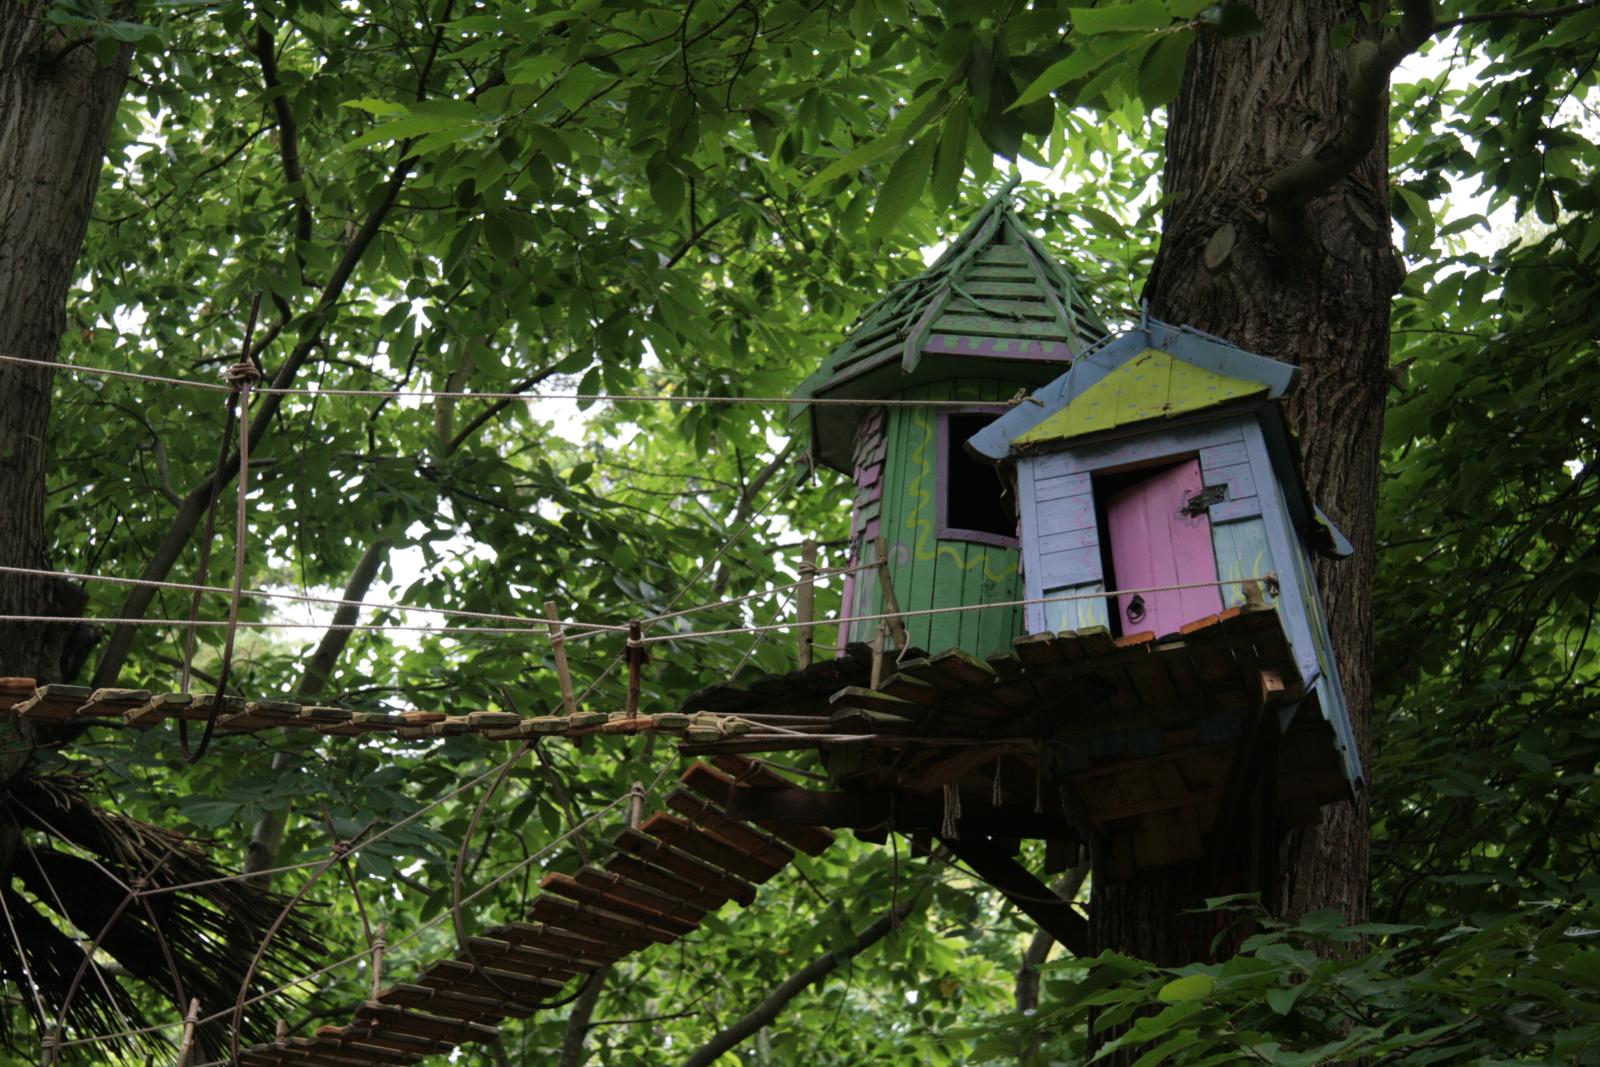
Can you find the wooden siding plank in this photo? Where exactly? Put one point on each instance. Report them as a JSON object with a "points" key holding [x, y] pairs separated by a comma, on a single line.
{"points": [[1185, 441], [1073, 567], [1283, 542], [986, 326], [1229, 510], [1066, 513], [1242, 552], [1064, 540], [1236, 477], [1051, 482]]}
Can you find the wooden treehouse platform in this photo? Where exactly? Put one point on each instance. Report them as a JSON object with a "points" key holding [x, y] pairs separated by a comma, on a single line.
{"points": [[662, 878], [1147, 750]]}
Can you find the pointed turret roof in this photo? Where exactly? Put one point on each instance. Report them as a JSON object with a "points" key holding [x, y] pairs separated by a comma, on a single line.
{"points": [[996, 295]]}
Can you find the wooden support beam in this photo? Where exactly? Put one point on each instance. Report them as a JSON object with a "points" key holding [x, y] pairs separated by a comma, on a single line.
{"points": [[1235, 827], [891, 603], [558, 646], [805, 602], [865, 810], [635, 656], [1033, 898]]}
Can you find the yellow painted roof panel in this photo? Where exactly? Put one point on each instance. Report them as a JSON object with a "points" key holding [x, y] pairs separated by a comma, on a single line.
{"points": [[1151, 385]]}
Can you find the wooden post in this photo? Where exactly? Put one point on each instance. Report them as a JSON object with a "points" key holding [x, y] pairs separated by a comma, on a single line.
{"points": [[379, 946], [806, 601], [558, 644], [636, 805], [281, 1034], [635, 654], [891, 603], [190, 1020], [877, 655], [47, 1047]]}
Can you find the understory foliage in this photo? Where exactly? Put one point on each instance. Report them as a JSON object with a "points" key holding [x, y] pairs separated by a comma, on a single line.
{"points": [[654, 198]]}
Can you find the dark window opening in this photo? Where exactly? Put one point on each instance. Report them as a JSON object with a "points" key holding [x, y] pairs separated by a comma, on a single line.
{"points": [[975, 500]]}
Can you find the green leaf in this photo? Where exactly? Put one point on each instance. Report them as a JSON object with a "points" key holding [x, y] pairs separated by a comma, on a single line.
{"points": [[1116, 18], [901, 188], [1080, 64], [1189, 987], [666, 185], [905, 125], [950, 162], [1161, 70]]}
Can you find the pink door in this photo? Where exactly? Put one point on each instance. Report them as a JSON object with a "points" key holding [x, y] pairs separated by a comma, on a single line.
{"points": [[1155, 543]]}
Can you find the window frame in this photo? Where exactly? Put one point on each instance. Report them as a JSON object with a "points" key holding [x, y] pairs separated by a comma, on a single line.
{"points": [[942, 530]]}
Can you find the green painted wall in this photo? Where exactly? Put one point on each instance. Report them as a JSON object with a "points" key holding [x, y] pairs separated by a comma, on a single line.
{"points": [[929, 571]]}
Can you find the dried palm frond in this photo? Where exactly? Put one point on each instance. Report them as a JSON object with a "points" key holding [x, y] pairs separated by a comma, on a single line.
{"points": [[68, 866]]}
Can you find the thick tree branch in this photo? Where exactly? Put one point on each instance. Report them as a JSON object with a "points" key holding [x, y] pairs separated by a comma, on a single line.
{"points": [[288, 131], [267, 836], [764, 1013], [1370, 63], [1066, 887], [577, 1030]]}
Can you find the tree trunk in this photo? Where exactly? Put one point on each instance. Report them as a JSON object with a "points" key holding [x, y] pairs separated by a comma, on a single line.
{"points": [[1248, 107], [57, 104]]}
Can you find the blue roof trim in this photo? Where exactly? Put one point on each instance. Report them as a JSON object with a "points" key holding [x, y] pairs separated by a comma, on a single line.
{"points": [[1182, 342]]}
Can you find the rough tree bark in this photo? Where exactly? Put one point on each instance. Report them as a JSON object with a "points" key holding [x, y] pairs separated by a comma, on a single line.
{"points": [[1248, 109], [57, 105]]}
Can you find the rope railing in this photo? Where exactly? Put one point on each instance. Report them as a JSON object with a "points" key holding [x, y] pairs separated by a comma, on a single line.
{"points": [[593, 628], [528, 398]]}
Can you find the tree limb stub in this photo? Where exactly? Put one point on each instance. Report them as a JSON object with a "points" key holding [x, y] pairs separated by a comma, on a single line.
{"points": [[1287, 192]]}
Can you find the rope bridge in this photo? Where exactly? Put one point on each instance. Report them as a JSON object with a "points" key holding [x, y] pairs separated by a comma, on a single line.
{"points": [[667, 873]]}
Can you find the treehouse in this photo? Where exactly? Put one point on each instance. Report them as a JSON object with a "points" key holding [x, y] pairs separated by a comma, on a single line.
{"points": [[1106, 633], [994, 314], [1159, 488]]}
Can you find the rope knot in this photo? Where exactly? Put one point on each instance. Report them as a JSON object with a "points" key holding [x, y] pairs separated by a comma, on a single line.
{"points": [[242, 375]]}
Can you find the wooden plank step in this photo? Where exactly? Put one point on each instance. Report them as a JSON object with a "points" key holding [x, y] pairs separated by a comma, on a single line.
{"points": [[709, 816], [490, 982], [259, 715], [508, 957], [873, 700], [14, 691], [639, 895], [113, 703], [637, 870], [714, 786], [591, 898], [548, 939], [413, 1023], [405, 1048], [446, 1002], [53, 703], [597, 923], [707, 876], [708, 847]]}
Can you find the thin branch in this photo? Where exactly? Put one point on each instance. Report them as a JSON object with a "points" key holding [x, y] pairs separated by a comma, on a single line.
{"points": [[1520, 13], [763, 1014]]}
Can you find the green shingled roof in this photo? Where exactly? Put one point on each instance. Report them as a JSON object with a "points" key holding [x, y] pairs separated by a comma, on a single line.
{"points": [[995, 304]]}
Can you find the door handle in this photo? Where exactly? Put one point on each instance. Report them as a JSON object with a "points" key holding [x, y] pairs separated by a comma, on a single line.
{"points": [[1135, 610]]}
